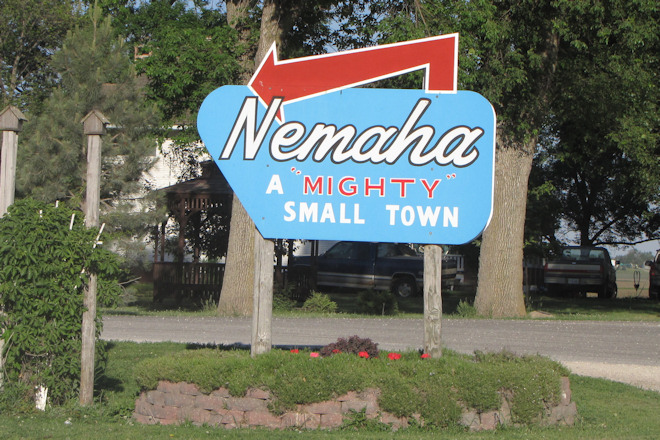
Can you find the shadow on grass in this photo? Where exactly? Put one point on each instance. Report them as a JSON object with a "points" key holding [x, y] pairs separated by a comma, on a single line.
{"points": [[347, 301], [628, 308], [616, 308]]}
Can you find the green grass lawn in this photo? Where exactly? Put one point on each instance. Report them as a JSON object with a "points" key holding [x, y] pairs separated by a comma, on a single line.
{"points": [[607, 411], [633, 283], [630, 305]]}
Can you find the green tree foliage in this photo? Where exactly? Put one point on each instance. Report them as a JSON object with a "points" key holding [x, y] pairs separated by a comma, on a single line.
{"points": [[603, 154], [507, 53], [573, 69], [188, 49], [95, 72], [542, 220], [30, 31], [183, 52], [45, 257], [635, 258]]}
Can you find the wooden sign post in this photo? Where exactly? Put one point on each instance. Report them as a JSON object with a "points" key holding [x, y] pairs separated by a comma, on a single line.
{"points": [[262, 308], [433, 300], [93, 127]]}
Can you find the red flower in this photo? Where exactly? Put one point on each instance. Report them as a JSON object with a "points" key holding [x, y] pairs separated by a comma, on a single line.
{"points": [[426, 356], [336, 350], [294, 350], [363, 354], [394, 356], [314, 354]]}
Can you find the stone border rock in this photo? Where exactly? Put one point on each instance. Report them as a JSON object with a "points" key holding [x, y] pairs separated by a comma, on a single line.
{"points": [[173, 403]]}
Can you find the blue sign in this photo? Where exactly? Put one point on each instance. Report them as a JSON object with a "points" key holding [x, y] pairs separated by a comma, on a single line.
{"points": [[357, 164]]}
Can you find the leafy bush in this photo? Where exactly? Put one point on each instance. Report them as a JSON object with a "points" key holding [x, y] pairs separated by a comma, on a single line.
{"points": [[319, 302], [359, 420], [16, 398], [283, 299], [465, 309], [377, 302], [353, 345], [45, 259]]}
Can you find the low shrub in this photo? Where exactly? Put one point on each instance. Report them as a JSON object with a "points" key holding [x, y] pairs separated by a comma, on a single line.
{"points": [[16, 398], [353, 345], [320, 303], [358, 420], [465, 309], [283, 300], [46, 258], [436, 389], [377, 302]]}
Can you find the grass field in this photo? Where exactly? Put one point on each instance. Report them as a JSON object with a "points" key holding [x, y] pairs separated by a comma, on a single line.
{"points": [[633, 283], [631, 304], [607, 410]]}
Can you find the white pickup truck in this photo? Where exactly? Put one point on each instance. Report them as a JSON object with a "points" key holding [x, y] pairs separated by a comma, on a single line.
{"points": [[581, 269]]}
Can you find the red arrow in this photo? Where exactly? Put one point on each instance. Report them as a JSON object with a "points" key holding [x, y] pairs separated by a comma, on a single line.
{"points": [[302, 78]]}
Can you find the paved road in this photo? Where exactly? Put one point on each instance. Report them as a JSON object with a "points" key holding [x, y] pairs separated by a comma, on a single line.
{"points": [[623, 351]]}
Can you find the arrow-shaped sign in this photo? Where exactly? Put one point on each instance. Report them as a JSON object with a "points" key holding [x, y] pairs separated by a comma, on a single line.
{"points": [[303, 78]]}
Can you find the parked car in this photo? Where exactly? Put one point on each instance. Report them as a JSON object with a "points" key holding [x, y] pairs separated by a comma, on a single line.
{"points": [[654, 276], [381, 266], [581, 269]]}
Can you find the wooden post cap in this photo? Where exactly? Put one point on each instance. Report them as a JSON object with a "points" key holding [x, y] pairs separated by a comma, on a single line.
{"points": [[94, 123], [11, 119]]}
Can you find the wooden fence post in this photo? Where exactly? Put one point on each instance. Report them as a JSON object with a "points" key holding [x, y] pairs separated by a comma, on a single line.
{"points": [[93, 127], [433, 300], [11, 123], [262, 307]]}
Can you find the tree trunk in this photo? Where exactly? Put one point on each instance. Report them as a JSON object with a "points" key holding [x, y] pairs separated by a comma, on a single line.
{"points": [[236, 297], [271, 29], [238, 17], [500, 282], [237, 283]]}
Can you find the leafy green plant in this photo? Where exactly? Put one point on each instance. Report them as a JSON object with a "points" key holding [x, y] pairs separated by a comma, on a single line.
{"points": [[46, 255], [283, 299], [319, 302], [16, 398], [465, 309], [377, 302], [358, 420], [353, 345]]}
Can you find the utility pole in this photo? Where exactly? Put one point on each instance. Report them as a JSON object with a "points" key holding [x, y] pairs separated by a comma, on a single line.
{"points": [[93, 127]]}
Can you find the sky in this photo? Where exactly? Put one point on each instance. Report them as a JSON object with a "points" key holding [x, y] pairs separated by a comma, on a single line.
{"points": [[649, 246]]}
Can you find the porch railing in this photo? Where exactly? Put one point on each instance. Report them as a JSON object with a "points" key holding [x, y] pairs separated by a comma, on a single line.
{"points": [[193, 283]]}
